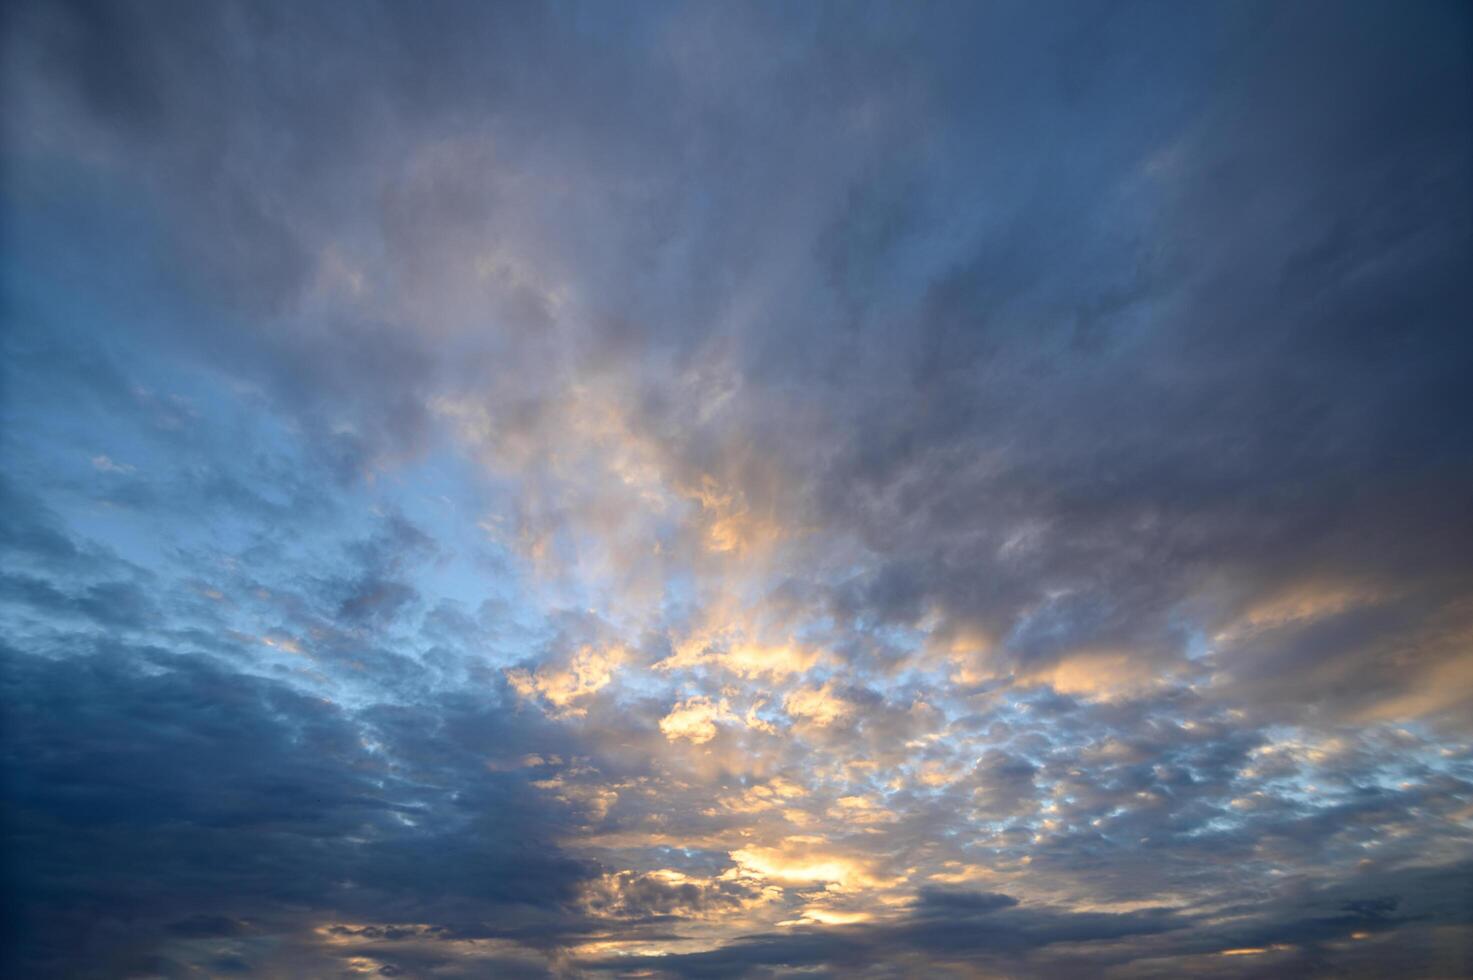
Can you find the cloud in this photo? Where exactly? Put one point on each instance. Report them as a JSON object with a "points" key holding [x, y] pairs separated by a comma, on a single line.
{"points": [[694, 719], [105, 464], [588, 671], [734, 490], [802, 860], [988, 930], [241, 796], [820, 706]]}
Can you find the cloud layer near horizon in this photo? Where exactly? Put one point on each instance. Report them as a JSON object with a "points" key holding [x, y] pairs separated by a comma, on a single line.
{"points": [[737, 490]]}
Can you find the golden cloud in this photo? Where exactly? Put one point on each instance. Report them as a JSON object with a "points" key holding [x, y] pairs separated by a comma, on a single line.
{"points": [[588, 672]]}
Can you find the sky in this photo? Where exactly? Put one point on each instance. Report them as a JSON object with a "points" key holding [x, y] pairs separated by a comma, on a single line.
{"points": [[704, 490]]}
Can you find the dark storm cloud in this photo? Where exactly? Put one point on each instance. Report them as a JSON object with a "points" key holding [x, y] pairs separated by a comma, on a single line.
{"points": [[152, 795], [1310, 931], [216, 806], [945, 930], [940, 901]]}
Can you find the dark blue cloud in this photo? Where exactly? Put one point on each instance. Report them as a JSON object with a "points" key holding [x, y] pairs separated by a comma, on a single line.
{"points": [[153, 795]]}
